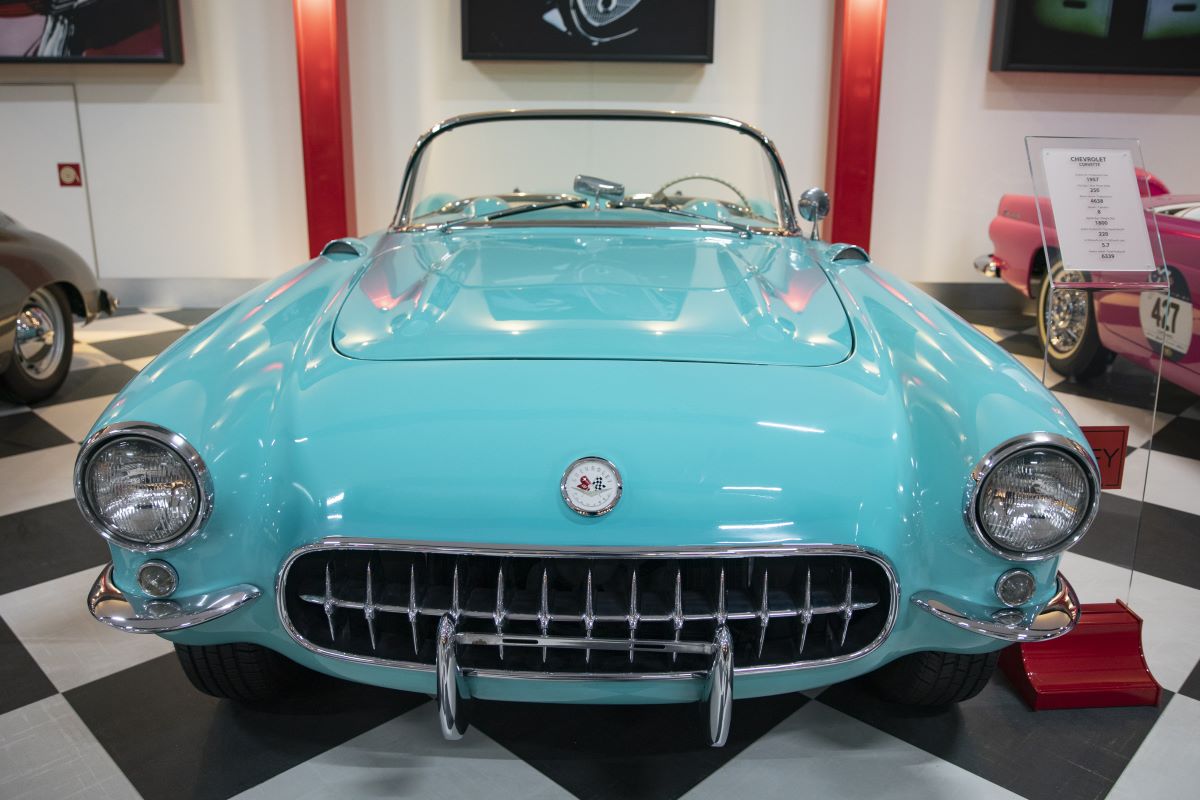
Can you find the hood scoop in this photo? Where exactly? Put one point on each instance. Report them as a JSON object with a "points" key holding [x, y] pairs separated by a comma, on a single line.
{"points": [[661, 296]]}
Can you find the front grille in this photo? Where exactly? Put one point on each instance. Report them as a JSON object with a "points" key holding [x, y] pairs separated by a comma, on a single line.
{"points": [[537, 612]]}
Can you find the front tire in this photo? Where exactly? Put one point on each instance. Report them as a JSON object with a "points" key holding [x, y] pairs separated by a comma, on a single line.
{"points": [[243, 672], [1067, 327], [42, 347], [934, 679]]}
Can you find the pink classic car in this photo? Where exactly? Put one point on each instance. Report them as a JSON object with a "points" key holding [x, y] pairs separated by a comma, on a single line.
{"points": [[1083, 334]]}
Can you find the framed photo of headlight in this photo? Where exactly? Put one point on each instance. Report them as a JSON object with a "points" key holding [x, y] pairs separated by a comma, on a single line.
{"points": [[1103, 280]]}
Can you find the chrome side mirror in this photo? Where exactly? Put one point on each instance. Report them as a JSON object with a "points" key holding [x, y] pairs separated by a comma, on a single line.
{"points": [[599, 188], [813, 206]]}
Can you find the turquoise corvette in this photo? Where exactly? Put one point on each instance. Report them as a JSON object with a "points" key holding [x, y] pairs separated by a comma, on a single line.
{"points": [[592, 421]]}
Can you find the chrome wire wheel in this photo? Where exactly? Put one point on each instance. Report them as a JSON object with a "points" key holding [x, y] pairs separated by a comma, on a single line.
{"points": [[39, 343], [1065, 316]]}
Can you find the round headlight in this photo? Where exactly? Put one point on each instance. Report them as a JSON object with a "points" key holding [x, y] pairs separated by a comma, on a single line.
{"points": [[141, 487], [1035, 498]]}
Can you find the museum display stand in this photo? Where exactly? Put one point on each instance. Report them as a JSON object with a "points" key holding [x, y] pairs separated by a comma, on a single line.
{"points": [[1104, 259]]}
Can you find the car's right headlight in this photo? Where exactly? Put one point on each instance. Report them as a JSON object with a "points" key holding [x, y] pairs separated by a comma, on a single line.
{"points": [[142, 487], [1033, 496]]}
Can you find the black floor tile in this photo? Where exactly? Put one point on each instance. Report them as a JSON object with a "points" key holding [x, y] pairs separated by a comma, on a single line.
{"points": [[45, 543], [23, 432], [1168, 541], [22, 679], [171, 741], [1179, 437], [1130, 385], [1023, 344], [151, 344], [1056, 755], [1191, 687], [82, 384], [600, 752], [187, 316]]}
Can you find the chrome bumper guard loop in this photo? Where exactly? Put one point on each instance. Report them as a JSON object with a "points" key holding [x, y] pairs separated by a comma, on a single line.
{"points": [[453, 693], [1056, 618], [134, 614]]}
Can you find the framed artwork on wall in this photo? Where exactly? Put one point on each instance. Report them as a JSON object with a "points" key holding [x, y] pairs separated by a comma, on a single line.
{"points": [[1159, 37], [90, 31], [588, 30]]}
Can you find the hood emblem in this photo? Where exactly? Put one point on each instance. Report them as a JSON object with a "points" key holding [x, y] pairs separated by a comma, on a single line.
{"points": [[591, 486]]}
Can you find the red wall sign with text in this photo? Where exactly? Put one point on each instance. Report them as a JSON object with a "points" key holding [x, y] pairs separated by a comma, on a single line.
{"points": [[1109, 443]]}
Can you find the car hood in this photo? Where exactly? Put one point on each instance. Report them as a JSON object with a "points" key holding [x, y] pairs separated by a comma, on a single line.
{"points": [[660, 294]]}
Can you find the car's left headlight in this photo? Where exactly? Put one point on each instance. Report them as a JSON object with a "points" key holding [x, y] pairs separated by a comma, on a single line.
{"points": [[142, 487], [1033, 496]]}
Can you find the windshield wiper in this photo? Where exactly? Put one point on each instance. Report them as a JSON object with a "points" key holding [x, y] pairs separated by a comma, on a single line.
{"points": [[745, 231], [512, 212]]}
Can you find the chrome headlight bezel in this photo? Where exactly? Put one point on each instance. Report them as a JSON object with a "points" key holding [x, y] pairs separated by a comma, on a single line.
{"points": [[1051, 441], [163, 437]]}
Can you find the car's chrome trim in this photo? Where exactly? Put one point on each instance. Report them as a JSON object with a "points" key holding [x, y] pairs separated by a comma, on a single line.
{"points": [[987, 265], [401, 220], [542, 551], [1057, 617], [135, 614], [182, 448], [979, 474]]}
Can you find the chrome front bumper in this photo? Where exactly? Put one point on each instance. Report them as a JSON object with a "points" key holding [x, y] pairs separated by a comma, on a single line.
{"points": [[133, 614], [988, 265], [1055, 618]]}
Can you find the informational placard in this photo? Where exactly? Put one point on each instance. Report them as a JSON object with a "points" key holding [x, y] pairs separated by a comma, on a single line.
{"points": [[1098, 212]]}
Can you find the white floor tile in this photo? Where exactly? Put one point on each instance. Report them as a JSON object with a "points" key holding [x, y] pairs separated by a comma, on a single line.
{"points": [[138, 363], [1088, 411], [52, 621], [37, 478], [995, 334], [1170, 613], [84, 356], [47, 751], [104, 330], [402, 759], [75, 418], [1173, 481], [820, 752], [1166, 764], [1192, 413]]}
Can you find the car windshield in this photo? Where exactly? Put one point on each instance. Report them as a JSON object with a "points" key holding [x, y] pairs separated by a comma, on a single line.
{"points": [[654, 171]]}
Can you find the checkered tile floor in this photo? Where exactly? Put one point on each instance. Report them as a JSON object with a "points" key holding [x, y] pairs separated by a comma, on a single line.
{"points": [[87, 711]]}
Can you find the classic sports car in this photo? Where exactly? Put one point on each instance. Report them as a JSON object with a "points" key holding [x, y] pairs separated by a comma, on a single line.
{"points": [[43, 284], [553, 438], [1084, 331]]}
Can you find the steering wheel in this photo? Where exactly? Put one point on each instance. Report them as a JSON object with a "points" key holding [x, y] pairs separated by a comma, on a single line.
{"points": [[661, 194]]}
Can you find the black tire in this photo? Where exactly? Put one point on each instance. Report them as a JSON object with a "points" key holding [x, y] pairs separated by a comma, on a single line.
{"points": [[243, 672], [934, 679], [1084, 359], [18, 383]]}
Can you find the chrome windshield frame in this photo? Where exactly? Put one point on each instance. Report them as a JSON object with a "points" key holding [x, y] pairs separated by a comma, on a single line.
{"points": [[401, 221]]}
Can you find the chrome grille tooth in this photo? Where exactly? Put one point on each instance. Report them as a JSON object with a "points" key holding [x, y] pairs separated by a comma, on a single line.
{"points": [[544, 609], [413, 612], [454, 593], [369, 609], [764, 615], [721, 597], [589, 617], [328, 600], [806, 614], [633, 617], [677, 611], [498, 614], [847, 605]]}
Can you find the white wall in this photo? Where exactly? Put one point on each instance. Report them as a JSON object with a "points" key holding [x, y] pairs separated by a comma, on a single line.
{"points": [[951, 133], [195, 171], [771, 68]]}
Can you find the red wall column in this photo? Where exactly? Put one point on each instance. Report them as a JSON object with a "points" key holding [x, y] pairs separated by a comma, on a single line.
{"points": [[323, 67], [854, 118]]}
